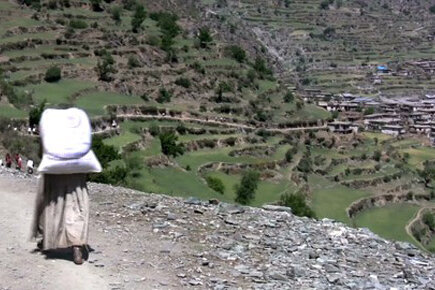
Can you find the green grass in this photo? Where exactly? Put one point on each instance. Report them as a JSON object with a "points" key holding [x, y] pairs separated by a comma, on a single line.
{"points": [[330, 199], [266, 192], [8, 111], [121, 140], [59, 92], [94, 103], [389, 221], [418, 155]]}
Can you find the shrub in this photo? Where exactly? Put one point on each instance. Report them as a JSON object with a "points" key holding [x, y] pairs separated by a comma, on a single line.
{"points": [[53, 74], [261, 67], [181, 129], [133, 62], [296, 201], [325, 4], [289, 155], [216, 184], [204, 37], [105, 67], [164, 96], [105, 153], [237, 53], [377, 155], [138, 17], [35, 114], [369, 111], [183, 82], [154, 130], [429, 220], [289, 97], [78, 24], [245, 192], [96, 5], [115, 14], [168, 141], [114, 176], [305, 165], [145, 97], [432, 9]]}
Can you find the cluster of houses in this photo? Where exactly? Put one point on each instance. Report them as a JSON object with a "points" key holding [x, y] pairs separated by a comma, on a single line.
{"points": [[389, 116]]}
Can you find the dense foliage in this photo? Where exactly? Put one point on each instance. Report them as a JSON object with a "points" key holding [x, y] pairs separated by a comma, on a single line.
{"points": [[245, 191], [53, 74], [216, 184], [170, 147], [296, 201]]}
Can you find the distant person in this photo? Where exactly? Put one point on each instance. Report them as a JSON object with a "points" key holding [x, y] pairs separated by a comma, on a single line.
{"points": [[61, 217], [30, 166], [8, 160], [18, 162]]}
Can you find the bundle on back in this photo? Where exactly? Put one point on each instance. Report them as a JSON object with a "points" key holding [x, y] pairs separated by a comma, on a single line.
{"points": [[66, 139]]}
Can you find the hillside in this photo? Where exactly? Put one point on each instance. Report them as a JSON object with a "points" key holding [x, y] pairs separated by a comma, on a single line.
{"points": [[231, 88], [148, 241]]}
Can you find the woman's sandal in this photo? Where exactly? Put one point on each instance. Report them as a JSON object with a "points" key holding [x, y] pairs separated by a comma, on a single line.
{"points": [[78, 255]]}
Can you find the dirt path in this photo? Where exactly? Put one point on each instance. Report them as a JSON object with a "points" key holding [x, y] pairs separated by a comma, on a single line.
{"points": [[113, 263], [22, 268]]}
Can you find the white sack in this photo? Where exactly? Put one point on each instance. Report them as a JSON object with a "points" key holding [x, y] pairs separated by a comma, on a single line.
{"points": [[85, 164], [66, 134]]}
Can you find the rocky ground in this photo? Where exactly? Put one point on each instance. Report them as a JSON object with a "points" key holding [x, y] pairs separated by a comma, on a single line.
{"points": [[148, 241]]}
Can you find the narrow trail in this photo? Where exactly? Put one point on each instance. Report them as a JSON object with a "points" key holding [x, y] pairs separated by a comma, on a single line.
{"points": [[23, 267], [417, 217]]}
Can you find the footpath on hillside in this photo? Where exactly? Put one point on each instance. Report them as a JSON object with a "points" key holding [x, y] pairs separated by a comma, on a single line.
{"points": [[148, 241]]}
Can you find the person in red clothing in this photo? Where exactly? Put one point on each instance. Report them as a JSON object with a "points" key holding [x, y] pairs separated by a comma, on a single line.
{"points": [[8, 160], [18, 161]]}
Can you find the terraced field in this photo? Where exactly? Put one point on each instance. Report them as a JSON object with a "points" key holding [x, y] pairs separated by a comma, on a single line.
{"points": [[233, 113]]}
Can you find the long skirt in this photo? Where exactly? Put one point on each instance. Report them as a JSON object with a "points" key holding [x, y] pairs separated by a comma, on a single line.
{"points": [[62, 211]]}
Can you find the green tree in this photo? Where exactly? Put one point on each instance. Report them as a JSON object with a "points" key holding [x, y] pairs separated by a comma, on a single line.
{"points": [[377, 155], [164, 96], [138, 17], [237, 53], [245, 192], [296, 201], [35, 114], [96, 5], [170, 147], [53, 74], [204, 37], [289, 97], [105, 153], [429, 220], [216, 184], [428, 172], [133, 62], [289, 155], [105, 66]]}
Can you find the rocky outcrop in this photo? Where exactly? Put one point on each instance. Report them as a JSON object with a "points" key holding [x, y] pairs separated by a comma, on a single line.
{"points": [[211, 245]]}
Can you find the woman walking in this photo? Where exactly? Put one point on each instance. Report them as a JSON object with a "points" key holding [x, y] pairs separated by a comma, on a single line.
{"points": [[61, 217]]}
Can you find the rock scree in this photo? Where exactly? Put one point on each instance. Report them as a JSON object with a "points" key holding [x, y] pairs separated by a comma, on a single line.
{"points": [[150, 241]]}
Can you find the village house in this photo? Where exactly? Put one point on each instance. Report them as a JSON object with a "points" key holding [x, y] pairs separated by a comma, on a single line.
{"points": [[394, 130], [342, 127]]}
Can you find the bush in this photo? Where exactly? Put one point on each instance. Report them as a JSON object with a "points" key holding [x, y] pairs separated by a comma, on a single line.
{"points": [[245, 192], [78, 24], [183, 82], [115, 14], [133, 62], [204, 37], [296, 201], [237, 53], [369, 111], [105, 67], [105, 153], [154, 130], [432, 9], [164, 96], [325, 4], [429, 220], [35, 114], [289, 155], [216, 184], [114, 176], [305, 165], [168, 141], [261, 67], [53, 74], [181, 129], [138, 17], [289, 97], [377, 155], [96, 5]]}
